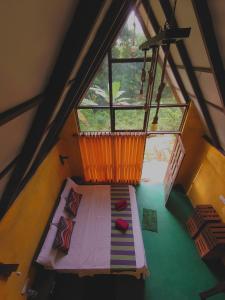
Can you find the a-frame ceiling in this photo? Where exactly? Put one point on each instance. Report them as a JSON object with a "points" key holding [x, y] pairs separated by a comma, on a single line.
{"points": [[47, 49]]}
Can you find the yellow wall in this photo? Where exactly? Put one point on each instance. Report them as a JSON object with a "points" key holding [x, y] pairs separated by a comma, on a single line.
{"points": [[22, 226], [202, 171], [194, 148], [209, 182], [71, 147]]}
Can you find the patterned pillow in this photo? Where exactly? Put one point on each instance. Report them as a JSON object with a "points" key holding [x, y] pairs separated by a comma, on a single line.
{"points": [[63, 235], [73, 202]]}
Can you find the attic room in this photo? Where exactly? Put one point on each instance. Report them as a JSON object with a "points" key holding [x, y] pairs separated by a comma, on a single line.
{"points": [[86, 209]]}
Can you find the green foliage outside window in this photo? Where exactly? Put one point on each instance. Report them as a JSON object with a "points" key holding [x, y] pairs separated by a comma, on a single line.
{"points": [[126, 91]]}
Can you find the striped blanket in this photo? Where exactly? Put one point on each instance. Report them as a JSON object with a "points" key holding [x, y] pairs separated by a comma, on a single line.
{"points": [[122, 244]]}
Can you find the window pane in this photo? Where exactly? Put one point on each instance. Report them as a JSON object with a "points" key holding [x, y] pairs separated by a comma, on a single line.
{"points": [[132, 119], [169, 118], [98, 93], [127, 83], [94, 119], [167, 95], [130, 38]]}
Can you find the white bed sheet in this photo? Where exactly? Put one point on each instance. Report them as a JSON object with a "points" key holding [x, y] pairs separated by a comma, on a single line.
{"points": [[90, 244]]}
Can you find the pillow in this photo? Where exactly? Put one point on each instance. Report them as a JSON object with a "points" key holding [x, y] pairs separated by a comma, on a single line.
{"points": [[73, 202], [121, 224], [63, 235]]}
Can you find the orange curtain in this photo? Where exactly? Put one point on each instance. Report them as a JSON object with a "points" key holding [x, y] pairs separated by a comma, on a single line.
{"points": [[112, 157]]}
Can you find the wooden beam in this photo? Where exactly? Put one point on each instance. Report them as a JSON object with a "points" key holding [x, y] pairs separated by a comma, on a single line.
{"points": [[197, 69], [156, 28], [207, 30], [72, 46], [168, 35], [215, 106], [192, 96], [130, 60], [167, 9], [129, 107], [122, 10], [8, 167], [19, 109], [112, 114]]}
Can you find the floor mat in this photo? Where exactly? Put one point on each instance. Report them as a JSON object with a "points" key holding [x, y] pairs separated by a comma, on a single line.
{"points": [[149, 221]]}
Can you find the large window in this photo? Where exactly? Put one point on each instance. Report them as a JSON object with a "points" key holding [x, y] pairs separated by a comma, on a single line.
{"points": [[113, 101]]}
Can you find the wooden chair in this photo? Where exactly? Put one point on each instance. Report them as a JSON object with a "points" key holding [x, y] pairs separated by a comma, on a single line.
{"points": [[210, 242], [203, 215]]}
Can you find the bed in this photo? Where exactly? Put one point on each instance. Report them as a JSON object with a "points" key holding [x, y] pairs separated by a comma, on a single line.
{"points": [[95, 246]]}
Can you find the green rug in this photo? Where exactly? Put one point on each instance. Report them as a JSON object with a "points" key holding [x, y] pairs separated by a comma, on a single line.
{"points": [[149, 221]]}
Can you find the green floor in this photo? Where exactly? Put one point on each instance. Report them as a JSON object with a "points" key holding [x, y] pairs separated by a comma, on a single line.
{"points": [[177, 272]]}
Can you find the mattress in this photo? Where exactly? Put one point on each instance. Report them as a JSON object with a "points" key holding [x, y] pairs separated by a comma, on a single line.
{"points": [[90, 246]]}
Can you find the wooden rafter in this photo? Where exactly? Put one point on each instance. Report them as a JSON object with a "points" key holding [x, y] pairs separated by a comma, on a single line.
{"points": [[74, 41], [19, 109], [173, 67], [206, 27], [167, 9], [6, 170], [197, 69], [70, 51]]}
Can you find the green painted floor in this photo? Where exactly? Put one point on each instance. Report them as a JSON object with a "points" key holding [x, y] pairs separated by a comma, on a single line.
{"points": [[176, 270]]}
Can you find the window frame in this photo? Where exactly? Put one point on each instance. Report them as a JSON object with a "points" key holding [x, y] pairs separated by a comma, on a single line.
{"points": [[147, 107]]}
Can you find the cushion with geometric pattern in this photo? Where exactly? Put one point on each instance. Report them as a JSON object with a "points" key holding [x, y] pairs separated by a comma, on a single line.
{"points": [[63, 235], [72, 202]]}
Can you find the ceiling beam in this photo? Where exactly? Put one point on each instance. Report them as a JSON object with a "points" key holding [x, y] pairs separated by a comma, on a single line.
{"points": [[216, 106], [192, 96], [207, 30], [8, 167], [19, 109], [156, 28], [98, 49], [73, 44], [168, 11], [129, 60], [197, 69]]}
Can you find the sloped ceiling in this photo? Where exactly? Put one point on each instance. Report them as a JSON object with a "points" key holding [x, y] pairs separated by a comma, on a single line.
{"points": [[33, 35], [207, 96]]}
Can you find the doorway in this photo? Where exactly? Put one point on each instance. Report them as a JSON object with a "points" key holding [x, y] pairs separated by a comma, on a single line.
{"points": [[158, 151]]}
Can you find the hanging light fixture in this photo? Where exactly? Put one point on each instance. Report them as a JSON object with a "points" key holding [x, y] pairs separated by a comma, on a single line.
{"points": [[133, 48], [165, 37]]}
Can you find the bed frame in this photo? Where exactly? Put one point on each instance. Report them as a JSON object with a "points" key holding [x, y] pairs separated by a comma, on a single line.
{"points": [[43, 237]]}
